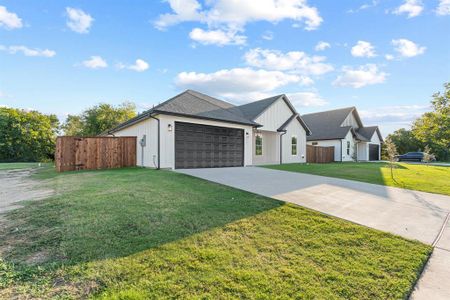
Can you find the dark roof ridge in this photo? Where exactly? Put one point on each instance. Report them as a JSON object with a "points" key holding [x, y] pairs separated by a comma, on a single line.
{"points": [[205, 98], [331, 110]]}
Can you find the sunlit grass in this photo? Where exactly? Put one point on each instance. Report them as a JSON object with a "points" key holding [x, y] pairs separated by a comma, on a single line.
{"points": [[426, 178], [139, 234]]}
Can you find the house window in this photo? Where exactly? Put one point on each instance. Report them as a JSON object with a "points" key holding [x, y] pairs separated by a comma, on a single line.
{"points": [[348, 147], [294, 145], [315, 143], [258, 145]]}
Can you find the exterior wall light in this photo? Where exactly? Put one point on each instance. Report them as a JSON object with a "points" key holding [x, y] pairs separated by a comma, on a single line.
{"points": [[169, 127]]}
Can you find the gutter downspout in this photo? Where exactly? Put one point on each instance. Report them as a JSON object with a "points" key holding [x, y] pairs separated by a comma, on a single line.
{"points": [[341, 150], [281, 146], [159, 141]]}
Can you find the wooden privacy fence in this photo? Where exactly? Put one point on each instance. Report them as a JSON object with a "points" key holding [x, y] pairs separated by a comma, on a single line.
{"points": [[316, 154], [89, 153]]}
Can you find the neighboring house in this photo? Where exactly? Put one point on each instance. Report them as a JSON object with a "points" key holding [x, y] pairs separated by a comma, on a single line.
{"points": [[343, 129], [194, 130]]}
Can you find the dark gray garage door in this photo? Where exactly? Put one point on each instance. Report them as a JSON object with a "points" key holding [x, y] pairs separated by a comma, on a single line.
{"points": [[202, 146], [374, 152]]}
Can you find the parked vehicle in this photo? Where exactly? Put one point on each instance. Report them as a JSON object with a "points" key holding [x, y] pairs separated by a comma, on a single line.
{"points": [[411, 156]]}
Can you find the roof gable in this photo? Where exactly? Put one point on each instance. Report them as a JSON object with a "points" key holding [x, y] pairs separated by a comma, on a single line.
{"points": [[197, 105], [369, 131], [326, 125], [253, 109]]}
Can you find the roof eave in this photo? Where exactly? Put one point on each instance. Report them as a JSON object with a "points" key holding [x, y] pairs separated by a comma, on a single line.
{"points": [[129, 123], [254, 124]]}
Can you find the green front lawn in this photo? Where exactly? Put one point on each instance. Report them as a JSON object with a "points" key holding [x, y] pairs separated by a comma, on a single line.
{"points": [[426, 178], [20, 165], [139, 234]]}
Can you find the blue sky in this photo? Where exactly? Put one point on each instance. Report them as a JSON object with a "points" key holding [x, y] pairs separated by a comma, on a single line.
{"points": [[385, 57]]}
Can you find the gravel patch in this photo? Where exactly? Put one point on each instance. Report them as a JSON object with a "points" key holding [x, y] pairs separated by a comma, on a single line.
{"points": [[17, 186]]}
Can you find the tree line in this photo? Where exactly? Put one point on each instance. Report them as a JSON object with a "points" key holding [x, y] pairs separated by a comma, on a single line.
{"points": [[431, 130], [31, 135]]}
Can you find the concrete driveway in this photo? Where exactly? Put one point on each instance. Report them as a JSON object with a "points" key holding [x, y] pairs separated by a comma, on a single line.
{"points": [[411, 214]]}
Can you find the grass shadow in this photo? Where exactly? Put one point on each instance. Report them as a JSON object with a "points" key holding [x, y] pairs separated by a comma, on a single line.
{"points": [[107, 214]]}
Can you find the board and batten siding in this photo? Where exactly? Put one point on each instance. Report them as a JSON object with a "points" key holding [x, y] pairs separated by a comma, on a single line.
{"points": [[375, 139], [270, 148], [274, 116], [348, 138], [149, 128], [363, 151], [350, 121], [294, 129], [168, 137]]}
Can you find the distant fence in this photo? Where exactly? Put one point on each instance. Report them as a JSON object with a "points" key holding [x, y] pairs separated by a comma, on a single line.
{"points": [[90, 153], [316, 154]]}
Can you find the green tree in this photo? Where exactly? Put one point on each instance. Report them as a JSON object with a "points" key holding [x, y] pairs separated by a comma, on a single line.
{"points": [[73, 125], [433, 128], [99, 118], [27, 135], [405, 141], [391, 152]]}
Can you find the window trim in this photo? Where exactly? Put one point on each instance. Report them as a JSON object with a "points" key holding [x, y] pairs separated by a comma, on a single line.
{"points": [[348, 147], [292, 145], [260, 152]]}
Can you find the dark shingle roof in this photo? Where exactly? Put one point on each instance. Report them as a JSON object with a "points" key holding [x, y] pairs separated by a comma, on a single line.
{"points": [[326, 125], [254, 109], [368, 132], [197, 105]]}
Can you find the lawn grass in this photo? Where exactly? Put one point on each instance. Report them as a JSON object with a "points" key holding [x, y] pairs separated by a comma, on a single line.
{"points": [[21, 165], [138, 234], [426, 178]]}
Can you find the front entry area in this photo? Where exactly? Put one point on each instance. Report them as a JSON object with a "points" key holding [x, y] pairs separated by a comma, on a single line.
{"points": [[204, 146]]}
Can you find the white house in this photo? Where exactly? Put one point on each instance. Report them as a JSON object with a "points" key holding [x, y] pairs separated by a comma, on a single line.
{"points": [[343, 129], [194, 130]]}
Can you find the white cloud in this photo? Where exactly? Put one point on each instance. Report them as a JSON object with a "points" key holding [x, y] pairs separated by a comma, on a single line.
{"points": [[391, 118], [364, 6], [140, 65], [412, 8], [244, 83], [392, 114], [389, 57], [294, 61], [95, 62], [407, 48], [306, 99], [78, 21], [444, 8], [28, 51], [268, 35], [217, 37], [236, 14], [322, 46], [9, 20], [359, 77], [363, 49]]}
